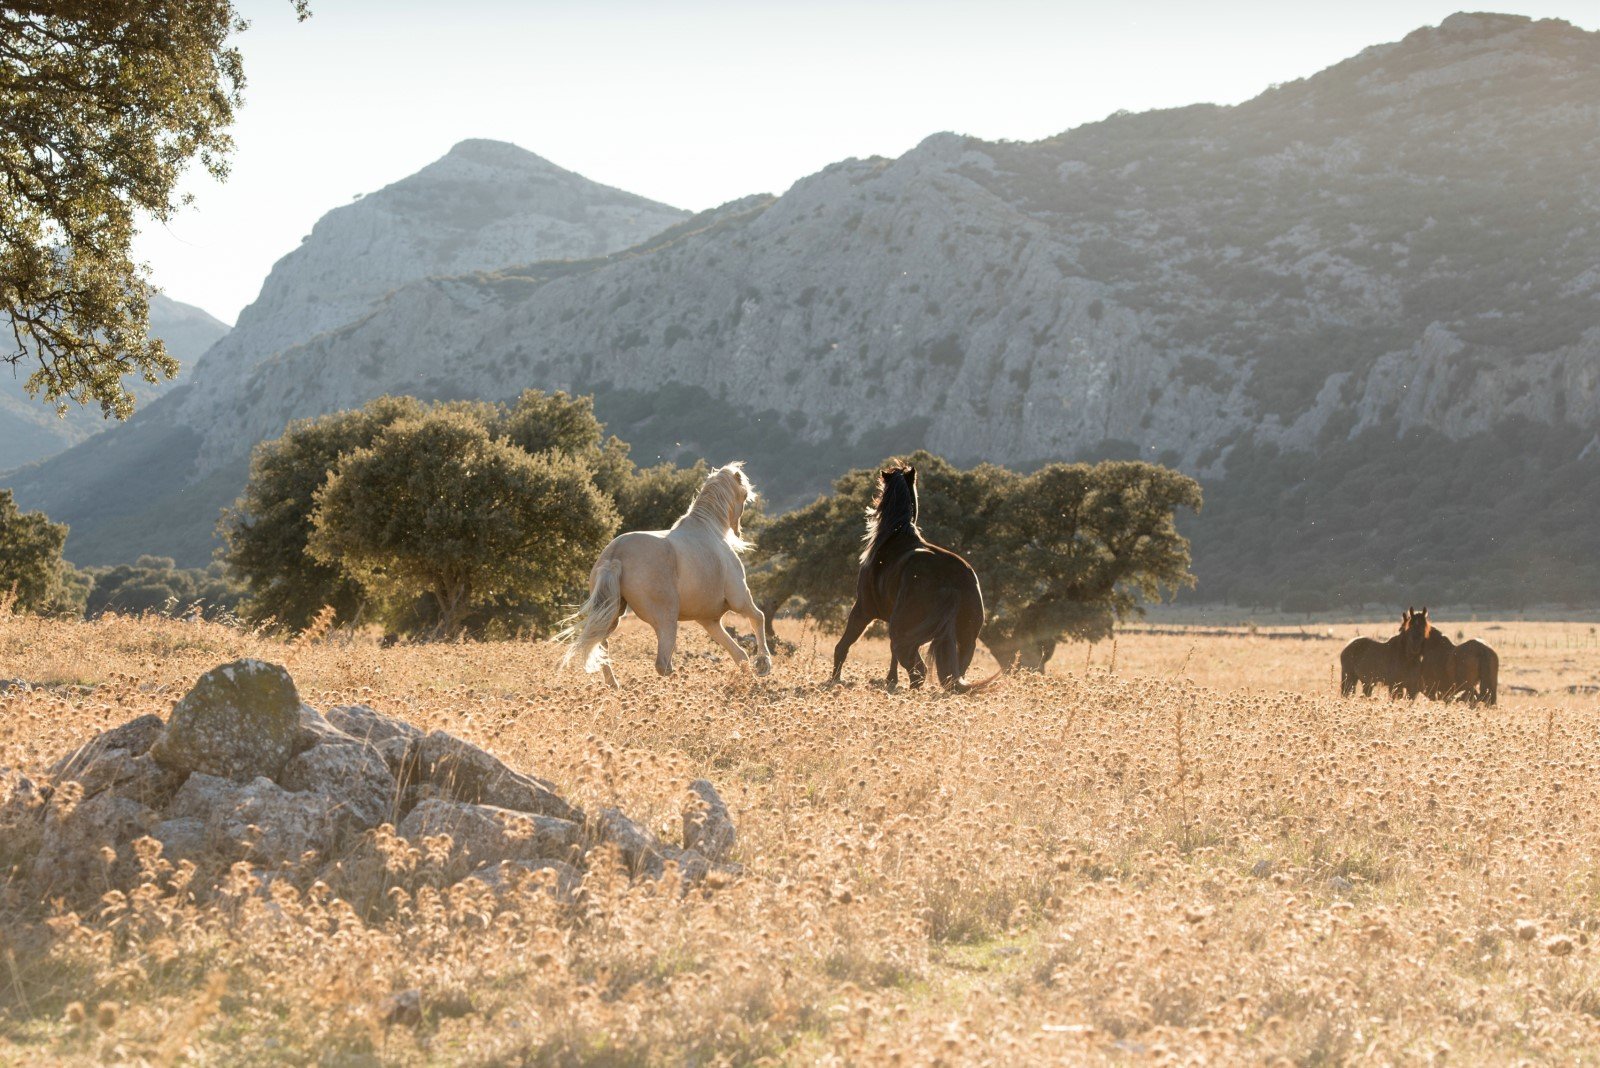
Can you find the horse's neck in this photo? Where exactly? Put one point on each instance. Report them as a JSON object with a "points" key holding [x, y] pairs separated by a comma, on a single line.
{"points": [[903, 538]]}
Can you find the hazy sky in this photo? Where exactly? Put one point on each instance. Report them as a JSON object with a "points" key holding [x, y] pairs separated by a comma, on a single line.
{"points": [[697, 103]]}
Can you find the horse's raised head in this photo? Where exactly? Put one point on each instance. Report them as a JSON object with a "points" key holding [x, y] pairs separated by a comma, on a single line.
{"points": [[897, 495], [739, 493], [1415, 630]]}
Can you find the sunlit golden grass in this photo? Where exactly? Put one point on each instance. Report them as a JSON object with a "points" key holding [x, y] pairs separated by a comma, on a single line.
{"points": [[1207, 855]]}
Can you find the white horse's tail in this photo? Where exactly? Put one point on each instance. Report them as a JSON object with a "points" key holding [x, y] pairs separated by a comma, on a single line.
{"points": [[590, 625]]}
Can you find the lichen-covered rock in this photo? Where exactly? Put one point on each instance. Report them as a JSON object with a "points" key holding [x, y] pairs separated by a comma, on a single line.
{"points": [[86, 847], [19, 793], [258, 821], [470, 774], [693, 866], [642, 852], [486, 835], [707, 826], [368, 725], [134, 738], [314, 729], [350, 774], [137, 777], [404, 757], [240, 721], [181, 839]]}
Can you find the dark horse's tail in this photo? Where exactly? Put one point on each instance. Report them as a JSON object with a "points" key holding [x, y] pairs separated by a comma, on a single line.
{"points": [[953, 645]]}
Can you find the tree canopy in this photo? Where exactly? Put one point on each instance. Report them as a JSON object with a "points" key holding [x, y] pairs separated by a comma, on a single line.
{"points": [[1062, 553], [33, 576], [158, 584], [436, 505], [290, 503], [103, 103], [267, 531]]}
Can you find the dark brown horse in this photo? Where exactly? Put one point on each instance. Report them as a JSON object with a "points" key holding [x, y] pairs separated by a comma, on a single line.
{"points": [[924, 592], [1478, 671], [1470, 671], [1395, 663]]}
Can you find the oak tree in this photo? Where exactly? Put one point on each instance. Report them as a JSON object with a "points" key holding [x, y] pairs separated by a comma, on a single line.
{"points": [[103, 103]]}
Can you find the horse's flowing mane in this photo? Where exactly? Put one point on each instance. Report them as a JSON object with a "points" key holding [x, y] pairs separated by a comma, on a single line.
{"points": [[894, 509], [717, 506]]}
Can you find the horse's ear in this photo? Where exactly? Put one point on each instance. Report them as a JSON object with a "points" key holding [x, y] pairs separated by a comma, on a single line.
{"points": [[911, 475]]}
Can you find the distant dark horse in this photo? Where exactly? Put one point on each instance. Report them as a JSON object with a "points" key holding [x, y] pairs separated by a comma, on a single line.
{"points": [[1396, 663], [1470, 670], [925, 593]]}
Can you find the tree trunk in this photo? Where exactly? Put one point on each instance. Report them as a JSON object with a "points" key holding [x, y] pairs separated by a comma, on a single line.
{"points": [[452, 598]]}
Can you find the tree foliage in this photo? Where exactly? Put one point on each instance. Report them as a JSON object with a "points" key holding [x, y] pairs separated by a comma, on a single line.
{"points": [[266, 532], [157, 584], [33, 576], [269, 531], [437, 506], [103, 103], [1062, 553]]}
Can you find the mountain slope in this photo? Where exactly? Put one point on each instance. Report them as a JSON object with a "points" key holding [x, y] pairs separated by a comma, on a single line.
{"points": [[151, 485], [31, 430], [1373, 287]]}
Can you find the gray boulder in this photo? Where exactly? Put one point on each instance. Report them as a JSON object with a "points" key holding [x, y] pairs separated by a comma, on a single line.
{"points": [[642, 852], [258, 821], [86, 848], [404, 757], [486, 834], [240, 721], [352, 776], [707, 826], [19, 794], [314, 729], [137, 777], [134, 738], [467, 773], [181, 839], [367, 725]]}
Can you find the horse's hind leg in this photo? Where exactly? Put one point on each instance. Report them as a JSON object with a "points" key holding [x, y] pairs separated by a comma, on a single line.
{"points": [[605, 665], [666, 645], [908, 654], [662, 615]]}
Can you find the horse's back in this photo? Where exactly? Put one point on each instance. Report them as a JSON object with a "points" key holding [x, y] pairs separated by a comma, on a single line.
{"points": [[1355, 651], [646, 559]]}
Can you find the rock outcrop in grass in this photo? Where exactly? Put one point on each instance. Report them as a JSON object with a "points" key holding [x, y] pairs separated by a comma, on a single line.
{"points": [[244, 772]]}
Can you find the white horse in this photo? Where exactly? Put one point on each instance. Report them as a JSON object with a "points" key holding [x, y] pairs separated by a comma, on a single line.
{"points": [[691, 572]]}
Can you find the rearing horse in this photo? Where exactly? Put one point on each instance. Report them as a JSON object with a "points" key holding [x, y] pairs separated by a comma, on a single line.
{"points": [[691, 572], [924, 592]]}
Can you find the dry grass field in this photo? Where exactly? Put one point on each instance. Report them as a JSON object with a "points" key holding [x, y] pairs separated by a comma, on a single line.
{"points": [[1186, 850]]}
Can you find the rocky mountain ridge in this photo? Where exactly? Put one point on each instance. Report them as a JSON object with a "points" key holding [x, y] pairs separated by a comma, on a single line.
{"points": [[1397, 246]]}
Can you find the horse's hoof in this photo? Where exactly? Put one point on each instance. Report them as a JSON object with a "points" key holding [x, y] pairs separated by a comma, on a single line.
{"points": [[763, 665]]}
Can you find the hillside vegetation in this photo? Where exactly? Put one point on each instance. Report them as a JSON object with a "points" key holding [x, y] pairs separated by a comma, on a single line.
{"points": [[1079, 867]]}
